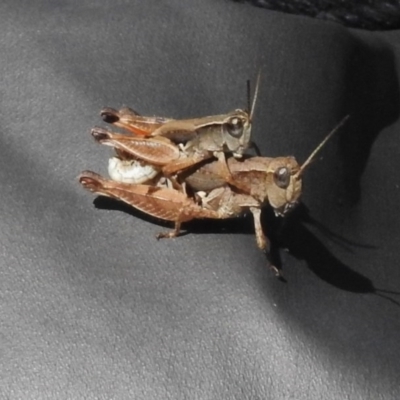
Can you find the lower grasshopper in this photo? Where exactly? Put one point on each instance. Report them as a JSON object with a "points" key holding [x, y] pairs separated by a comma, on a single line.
{"points": [[273, 181]]}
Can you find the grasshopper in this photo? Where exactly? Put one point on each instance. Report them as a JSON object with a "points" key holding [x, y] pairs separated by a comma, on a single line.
{"points": [[176, 145], [274, 181]]}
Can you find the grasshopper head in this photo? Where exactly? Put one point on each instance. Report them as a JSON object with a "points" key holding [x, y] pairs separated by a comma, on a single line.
{"points": [[237, 132], [287, 174], [237, 127], [284, 188]]}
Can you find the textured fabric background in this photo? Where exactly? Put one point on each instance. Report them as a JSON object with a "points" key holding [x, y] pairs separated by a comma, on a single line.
{"points": [[93, 307]]}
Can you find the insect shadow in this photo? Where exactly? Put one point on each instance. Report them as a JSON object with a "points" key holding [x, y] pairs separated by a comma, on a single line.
{"points": [[289, 233], [372, 100], [302, 244]]}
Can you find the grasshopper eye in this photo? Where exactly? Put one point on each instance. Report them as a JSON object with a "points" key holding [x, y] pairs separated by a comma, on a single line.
{"points": [[282, 177], [235, 127]]}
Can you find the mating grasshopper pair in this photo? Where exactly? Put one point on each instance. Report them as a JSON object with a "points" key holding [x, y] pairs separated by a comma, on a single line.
{"points": [[191, 154]]}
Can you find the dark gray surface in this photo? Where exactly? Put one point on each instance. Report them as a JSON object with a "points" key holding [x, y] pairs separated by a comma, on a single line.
{"points": [[92, 306]]}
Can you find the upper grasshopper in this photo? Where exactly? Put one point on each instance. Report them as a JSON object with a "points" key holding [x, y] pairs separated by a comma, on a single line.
{"points": [[176, 145], [274, 181]]}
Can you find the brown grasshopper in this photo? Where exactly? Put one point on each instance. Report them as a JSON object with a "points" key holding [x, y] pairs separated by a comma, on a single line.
{"points": [[273, 181], [175, 145]]}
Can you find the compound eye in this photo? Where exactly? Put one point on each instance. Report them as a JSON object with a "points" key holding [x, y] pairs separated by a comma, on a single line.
{"points": [[235, 127], [282, 177]]}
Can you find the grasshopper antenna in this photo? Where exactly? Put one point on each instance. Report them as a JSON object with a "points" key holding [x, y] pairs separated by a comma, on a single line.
{"points": [[319, 147], [248, 95], [253, 104]]}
